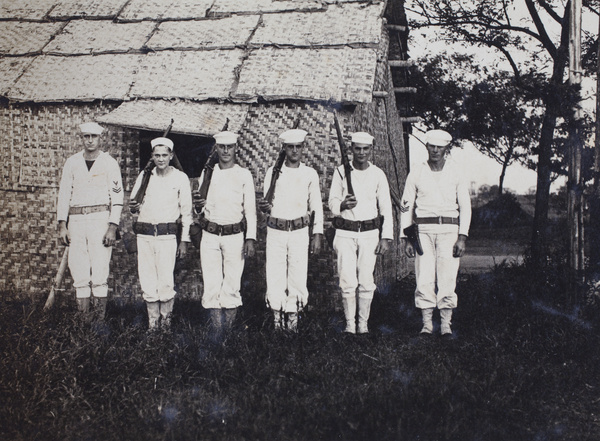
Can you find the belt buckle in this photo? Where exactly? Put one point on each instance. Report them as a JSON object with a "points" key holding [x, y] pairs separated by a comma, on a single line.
{"points": [[440, 221], [155, 229], [84, 210]]}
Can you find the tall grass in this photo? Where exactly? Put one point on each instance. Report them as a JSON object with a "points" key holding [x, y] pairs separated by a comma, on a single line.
{"points": [[519, 369]]}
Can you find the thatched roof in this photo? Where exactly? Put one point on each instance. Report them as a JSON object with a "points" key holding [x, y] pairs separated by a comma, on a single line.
{"points": [[227, 51]]}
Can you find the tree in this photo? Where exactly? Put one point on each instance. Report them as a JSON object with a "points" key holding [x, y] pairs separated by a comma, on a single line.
{"points": [[501, 122], [542, 34]]}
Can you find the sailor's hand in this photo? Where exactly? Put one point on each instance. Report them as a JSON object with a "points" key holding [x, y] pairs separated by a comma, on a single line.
{"points": [[63, 233], [349, 203], [110, 237], [182, 249], [199, 203], [315, 243], [460, 246], [249, 248], [264, 205], [409, 250], [383, 246]]}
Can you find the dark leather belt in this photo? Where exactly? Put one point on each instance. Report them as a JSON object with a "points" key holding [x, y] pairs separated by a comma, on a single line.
{"points": [[154, 229], [88, 209], [345, 224], [222, 230], [288, 225], [437, 220]]}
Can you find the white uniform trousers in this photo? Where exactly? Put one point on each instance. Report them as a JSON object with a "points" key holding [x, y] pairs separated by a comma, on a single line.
{"points": [[89, 259], [436, 265], [156, 263], [356, 260], [222, 260], [287, 267]]}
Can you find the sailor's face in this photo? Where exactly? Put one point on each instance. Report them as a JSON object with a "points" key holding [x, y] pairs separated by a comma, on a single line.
{"points": [[226, 152], [162, 155], [91, 142], [361, 152], [293, 152], [436, 152]]}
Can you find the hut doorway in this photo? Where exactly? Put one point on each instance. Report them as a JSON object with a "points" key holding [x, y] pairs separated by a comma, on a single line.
{"points": [[192, 151]]}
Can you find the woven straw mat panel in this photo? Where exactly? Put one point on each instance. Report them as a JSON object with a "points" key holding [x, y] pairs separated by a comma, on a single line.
{"points": [[350, 24], [340, 75], [367, 2], [97, 36], [222, 7], [189, 117], [194, 75], [25, 9], [204, 34], [187, 9], [158, 9], [19, 38], [51, 78], [87, 8], [10, 70]]}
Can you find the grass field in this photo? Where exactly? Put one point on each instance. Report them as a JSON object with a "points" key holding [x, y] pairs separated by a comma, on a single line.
{"points": [[522, 367]]}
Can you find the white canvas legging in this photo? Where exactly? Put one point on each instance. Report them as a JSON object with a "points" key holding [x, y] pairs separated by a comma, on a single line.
{"points": [[156, 262], [356, 260], [436, 268], [89, 259], [222, 260], [287, 267]]}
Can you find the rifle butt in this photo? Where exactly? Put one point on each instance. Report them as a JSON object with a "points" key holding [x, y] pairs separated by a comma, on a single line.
{"points": [[57, 280]]}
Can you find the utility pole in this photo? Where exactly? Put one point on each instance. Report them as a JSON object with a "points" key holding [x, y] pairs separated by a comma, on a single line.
{"points": [[575, 182], [593, 231]]}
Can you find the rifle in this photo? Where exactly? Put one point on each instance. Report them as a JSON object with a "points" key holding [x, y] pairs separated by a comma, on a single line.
{"points": [[207, 170], [60, 274], [277, 169], [344, 152], [139, 197], [209, 167]]}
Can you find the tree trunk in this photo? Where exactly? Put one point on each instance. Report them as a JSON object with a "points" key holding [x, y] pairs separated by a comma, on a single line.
{"points": [[552, 101], [501, 181], [539, 239], [507, 158]]}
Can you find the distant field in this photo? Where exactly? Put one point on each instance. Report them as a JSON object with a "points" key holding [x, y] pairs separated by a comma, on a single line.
{"points": [[487, 248]]}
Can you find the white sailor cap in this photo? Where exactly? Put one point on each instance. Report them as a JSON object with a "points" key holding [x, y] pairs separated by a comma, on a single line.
{"points": [[362, 138], [91, 128], [225, 138], [294, 136], [162, 141], [438, 137]]}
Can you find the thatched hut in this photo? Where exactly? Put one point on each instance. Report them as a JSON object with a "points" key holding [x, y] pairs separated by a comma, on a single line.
{"points": [[133, 65]]}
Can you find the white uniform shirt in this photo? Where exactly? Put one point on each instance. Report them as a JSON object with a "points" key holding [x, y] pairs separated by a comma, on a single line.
{"points": [[432, 194], [167, 197], [372, 194], [296, 193], [231, 197], [80, 187]]}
